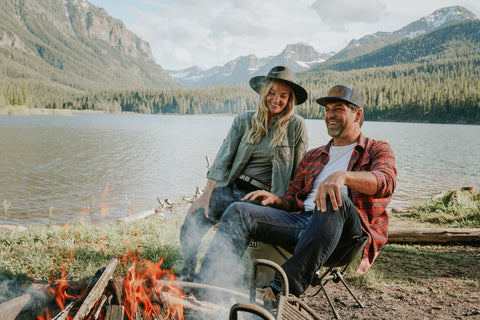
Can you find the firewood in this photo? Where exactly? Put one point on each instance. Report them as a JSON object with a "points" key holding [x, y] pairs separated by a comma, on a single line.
{"points": [[114, 312], [62, 315], [115, 287], [12, 308], [99, 307], [191, 302], [96, 292]]}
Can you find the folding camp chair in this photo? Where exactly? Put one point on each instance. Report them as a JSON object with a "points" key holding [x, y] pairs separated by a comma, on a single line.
{"points": [[342, 256], [289, 307], [337, 264]]}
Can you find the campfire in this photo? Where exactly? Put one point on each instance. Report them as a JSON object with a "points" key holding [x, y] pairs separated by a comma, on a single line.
{"points": [[146, 292]]}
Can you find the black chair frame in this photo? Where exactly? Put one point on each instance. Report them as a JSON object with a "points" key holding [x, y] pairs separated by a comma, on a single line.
{"points": [[342, 256]]}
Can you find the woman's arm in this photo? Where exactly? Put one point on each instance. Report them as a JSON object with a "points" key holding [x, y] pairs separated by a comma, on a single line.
{"points": [[301, 145], [204, 200]]}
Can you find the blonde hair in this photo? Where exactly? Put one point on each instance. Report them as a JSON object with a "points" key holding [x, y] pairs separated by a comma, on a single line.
{"points": [[260, 119]]}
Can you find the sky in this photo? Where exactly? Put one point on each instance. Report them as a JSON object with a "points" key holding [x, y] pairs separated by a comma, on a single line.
{"points": [[208, 33]]}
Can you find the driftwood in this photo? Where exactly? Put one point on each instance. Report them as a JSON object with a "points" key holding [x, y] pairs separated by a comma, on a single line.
{"points": [[434, 235], [138, 216], [12, 227]]}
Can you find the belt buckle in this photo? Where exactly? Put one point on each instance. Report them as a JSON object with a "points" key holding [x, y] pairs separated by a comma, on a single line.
{"points": [[256, 183]]}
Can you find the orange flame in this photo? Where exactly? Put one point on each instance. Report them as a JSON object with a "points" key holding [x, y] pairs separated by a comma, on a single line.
{"points": [[61, 293], [142, 293], [47, 317], [140, 285], [60, 290]]}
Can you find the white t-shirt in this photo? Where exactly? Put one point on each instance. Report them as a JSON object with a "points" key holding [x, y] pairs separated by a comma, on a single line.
{"points": [[339, 157]]}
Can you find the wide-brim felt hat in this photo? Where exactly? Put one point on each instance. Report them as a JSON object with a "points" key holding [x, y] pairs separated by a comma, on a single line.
{"points": [[285, 75], [342, 93]]}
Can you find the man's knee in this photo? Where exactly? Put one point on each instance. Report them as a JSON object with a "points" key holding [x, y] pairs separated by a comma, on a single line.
{"points": [[347, 204]]}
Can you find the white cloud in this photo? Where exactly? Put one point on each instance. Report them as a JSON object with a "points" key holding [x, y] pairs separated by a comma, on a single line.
{"points": [[338, 13], [209, 33]]}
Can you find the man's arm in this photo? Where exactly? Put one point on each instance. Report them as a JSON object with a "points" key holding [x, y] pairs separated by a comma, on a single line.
{"points": [[379, 181], [362, 181]]}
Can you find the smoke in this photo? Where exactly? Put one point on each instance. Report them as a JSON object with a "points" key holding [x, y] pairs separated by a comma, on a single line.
{"points": [[12, 288], [35, 296]]}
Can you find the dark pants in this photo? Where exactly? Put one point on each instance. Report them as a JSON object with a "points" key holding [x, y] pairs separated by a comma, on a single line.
{"points": [[197, 225], [314, 235]]}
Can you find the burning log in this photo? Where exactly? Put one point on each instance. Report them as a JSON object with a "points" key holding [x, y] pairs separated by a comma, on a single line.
{"points": [[97, 291], [64, 313], [115, 312]]}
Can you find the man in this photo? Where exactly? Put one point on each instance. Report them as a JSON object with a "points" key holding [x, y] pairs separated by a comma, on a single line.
{"points": [[341, 190]]}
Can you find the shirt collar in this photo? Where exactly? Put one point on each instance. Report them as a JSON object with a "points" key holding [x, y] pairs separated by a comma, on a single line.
{"points": [[361, 143]]}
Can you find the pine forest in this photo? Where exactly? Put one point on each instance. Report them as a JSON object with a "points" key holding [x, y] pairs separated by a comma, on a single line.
{"points": [[433, 78]]}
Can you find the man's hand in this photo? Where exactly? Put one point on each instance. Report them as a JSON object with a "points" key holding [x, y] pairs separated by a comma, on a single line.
{"points": [[362, 181], [262, 197], [332, 187]]}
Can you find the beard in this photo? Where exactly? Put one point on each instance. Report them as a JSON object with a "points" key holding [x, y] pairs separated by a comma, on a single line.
{"points": [[337, 131]]}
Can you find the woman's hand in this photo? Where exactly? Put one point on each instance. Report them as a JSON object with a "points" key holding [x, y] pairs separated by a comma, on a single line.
{"points": [[204, 200]]}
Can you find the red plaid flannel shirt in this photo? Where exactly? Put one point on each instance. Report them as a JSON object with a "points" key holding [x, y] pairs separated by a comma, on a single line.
{"points": [[370, 155]]}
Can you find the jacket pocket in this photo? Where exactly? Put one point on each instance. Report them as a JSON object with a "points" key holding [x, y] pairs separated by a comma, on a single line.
{"points": [[285, 152]]}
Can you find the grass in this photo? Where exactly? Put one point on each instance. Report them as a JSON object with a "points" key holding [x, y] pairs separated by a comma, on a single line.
{"points": [[452, 209], [41, 253]]}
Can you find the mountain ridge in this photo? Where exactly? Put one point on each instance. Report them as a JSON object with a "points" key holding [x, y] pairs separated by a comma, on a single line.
{"points": [[293, 54], [299, 57], [438, 19], [74, 45]]}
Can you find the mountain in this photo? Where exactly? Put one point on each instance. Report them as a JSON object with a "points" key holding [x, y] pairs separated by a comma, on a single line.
{"points": [[459, 40], [431, 78], [299, 57], [74, 46], [438, 19]]}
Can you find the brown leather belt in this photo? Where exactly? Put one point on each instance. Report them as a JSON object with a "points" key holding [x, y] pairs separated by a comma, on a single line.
{"points": [[254, 182]]}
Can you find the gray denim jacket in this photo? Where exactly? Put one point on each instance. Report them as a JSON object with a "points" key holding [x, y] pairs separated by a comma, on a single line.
{"points": [[235, 153]]}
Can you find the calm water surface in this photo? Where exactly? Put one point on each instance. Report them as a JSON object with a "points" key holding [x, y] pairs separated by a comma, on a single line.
{"points": [[102, 166]]}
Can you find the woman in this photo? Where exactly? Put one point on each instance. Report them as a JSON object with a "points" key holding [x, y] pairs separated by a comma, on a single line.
{"points": [[261, 151]]}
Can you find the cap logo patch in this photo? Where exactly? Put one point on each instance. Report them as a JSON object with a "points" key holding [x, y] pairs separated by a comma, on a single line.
{"points": [[336, 92]]}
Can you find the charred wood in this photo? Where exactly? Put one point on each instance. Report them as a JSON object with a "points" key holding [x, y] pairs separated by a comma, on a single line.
{"points": [[96, 292]]}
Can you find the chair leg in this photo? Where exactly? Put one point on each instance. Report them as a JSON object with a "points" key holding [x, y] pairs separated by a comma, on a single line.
{"points": [[339, 275], [335, 313]]}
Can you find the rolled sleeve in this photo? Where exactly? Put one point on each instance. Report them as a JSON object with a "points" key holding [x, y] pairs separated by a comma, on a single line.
{"points": [[383, 167]]}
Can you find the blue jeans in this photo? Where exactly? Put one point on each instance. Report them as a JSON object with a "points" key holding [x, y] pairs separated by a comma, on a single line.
{"points": [[314, 235], [197, 225]]}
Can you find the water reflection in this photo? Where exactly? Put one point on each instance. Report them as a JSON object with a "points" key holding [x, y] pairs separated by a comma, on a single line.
{"points": [[58, 169]]}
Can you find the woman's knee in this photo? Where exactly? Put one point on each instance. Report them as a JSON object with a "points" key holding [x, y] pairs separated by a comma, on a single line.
{"points": [[236, 211]]}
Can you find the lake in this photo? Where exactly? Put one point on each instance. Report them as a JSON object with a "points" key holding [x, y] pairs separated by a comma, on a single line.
{"points": [[103, 166]]}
